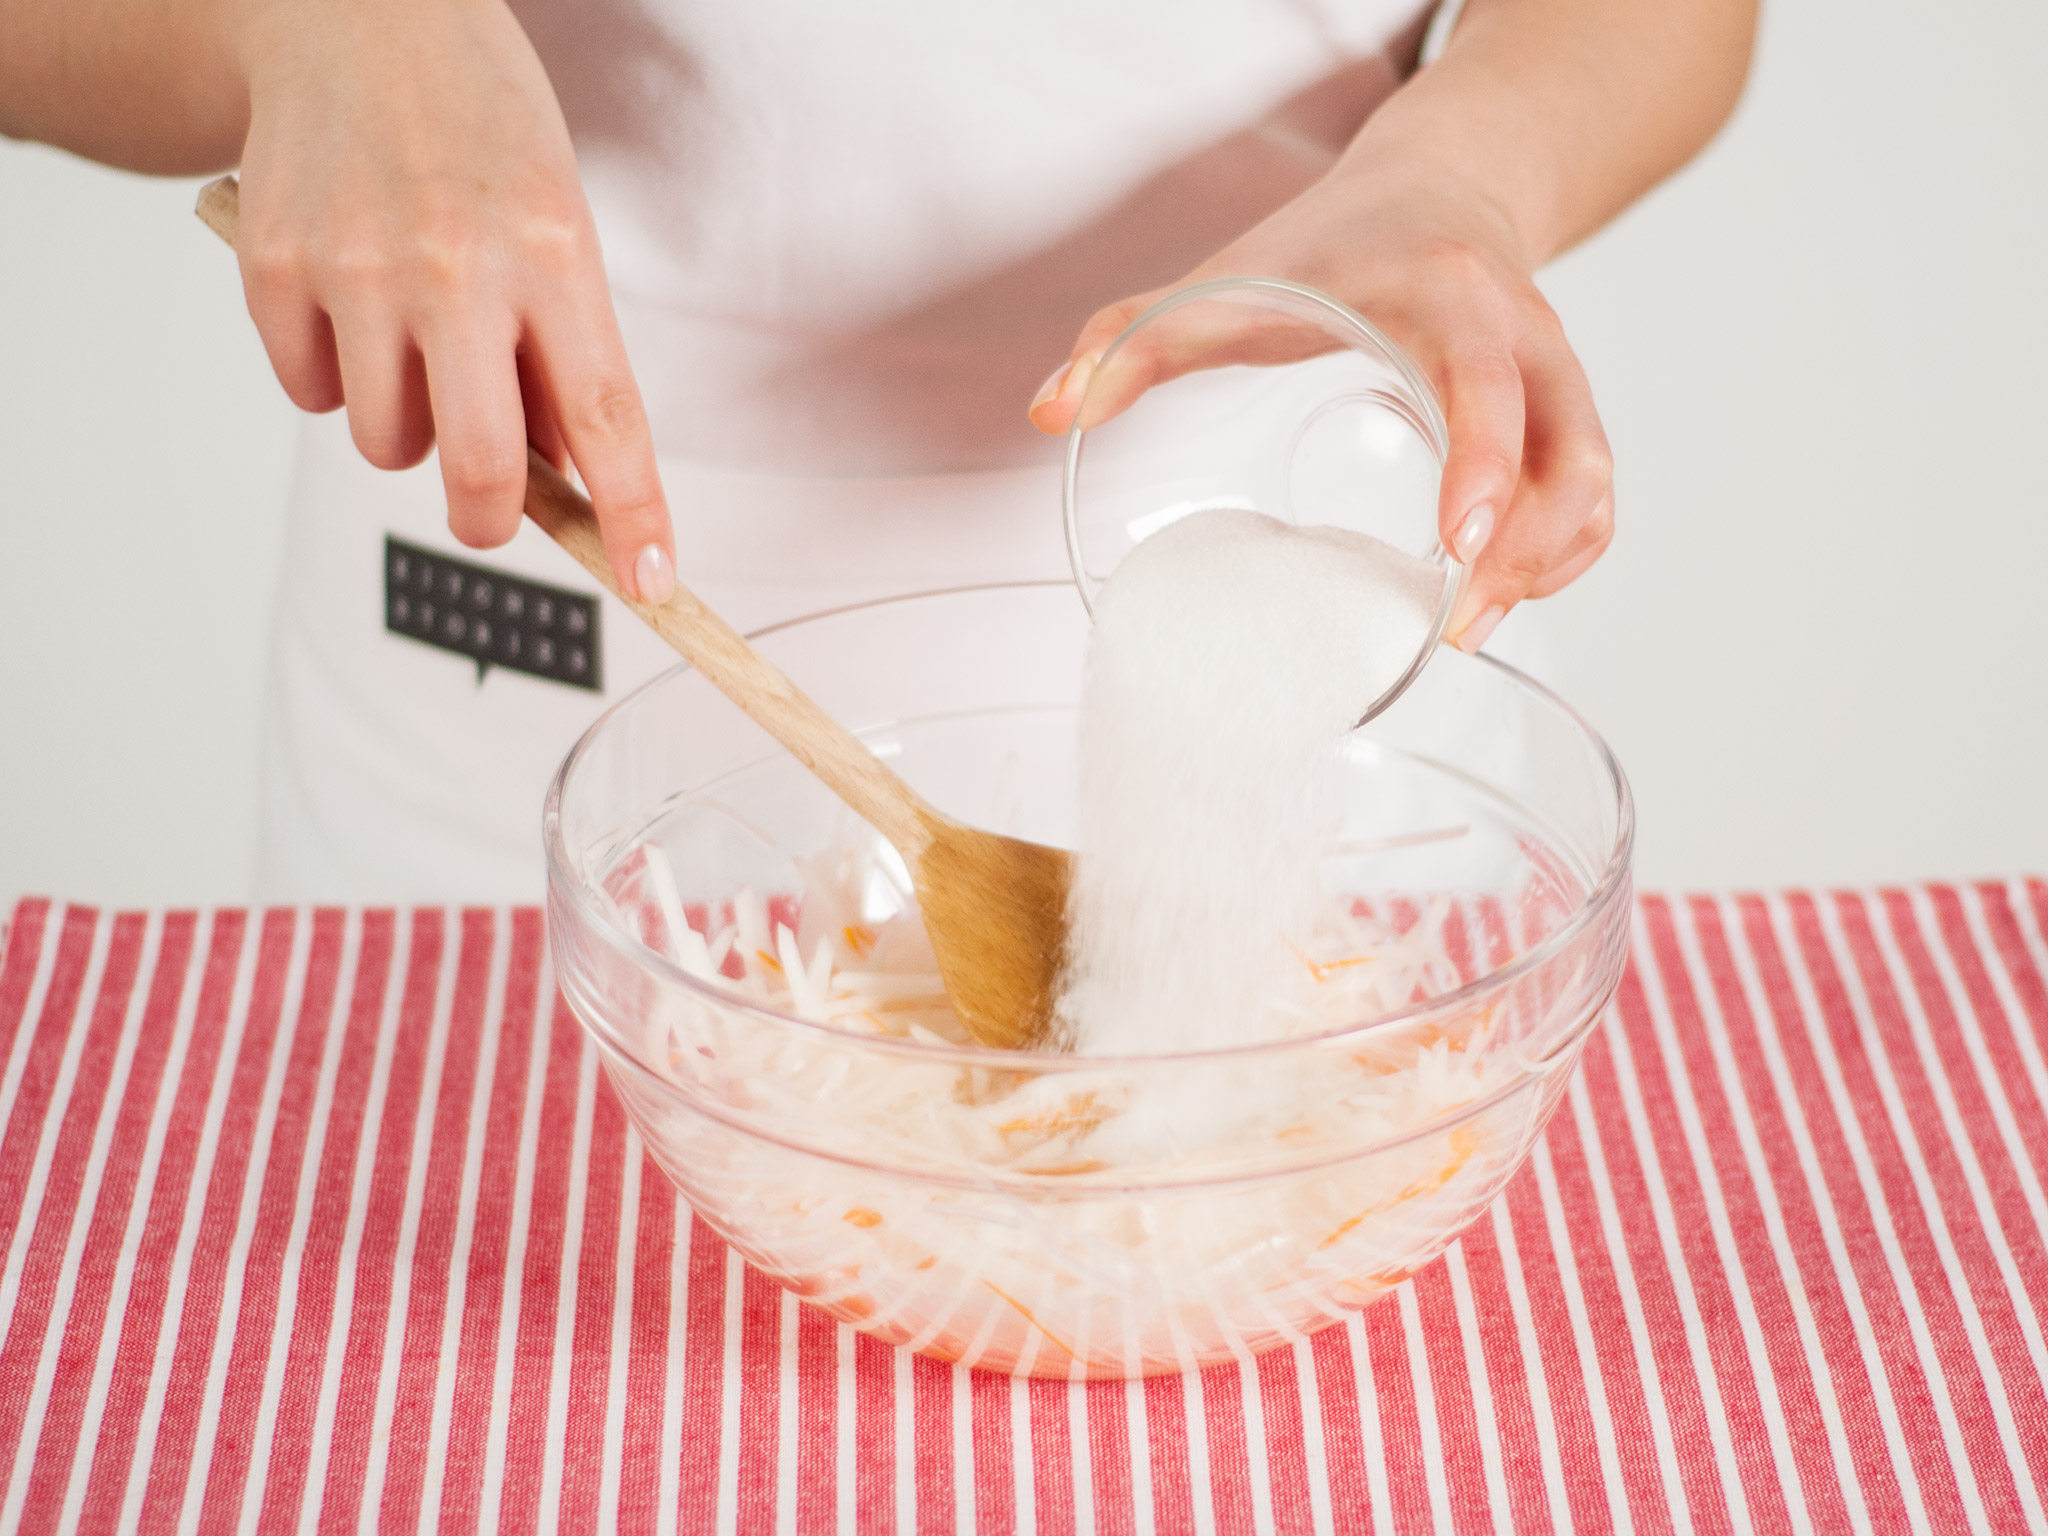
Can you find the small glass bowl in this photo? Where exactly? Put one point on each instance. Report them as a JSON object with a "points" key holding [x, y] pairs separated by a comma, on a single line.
{"points": [[1482, 813], [1301, 409]]}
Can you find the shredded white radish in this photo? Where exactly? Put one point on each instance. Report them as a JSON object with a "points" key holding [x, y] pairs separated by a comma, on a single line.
{"points": [[1062, 1217]]}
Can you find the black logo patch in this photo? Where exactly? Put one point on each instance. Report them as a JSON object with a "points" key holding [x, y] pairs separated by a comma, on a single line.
{"points": [[494, 619]]}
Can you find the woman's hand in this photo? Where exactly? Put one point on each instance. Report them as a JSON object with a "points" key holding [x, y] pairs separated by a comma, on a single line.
{"points": [[415, 245], [1528, 489], [1541, 121]]}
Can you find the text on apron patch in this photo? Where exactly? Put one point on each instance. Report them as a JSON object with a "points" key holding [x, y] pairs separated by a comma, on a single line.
{"points": [[490, 617]]}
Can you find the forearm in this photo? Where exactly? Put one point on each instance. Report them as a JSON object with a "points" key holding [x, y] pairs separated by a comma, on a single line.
{"points": [[148, 85], [1559, 113]]}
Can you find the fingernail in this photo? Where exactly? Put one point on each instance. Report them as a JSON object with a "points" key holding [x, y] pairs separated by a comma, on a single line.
{"points": [[1480, 630], [1070, 380], [653, 577], [1049, 391], [1473, 533]]}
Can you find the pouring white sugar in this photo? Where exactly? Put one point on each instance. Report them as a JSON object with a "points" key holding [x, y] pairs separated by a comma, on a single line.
{"points": [[1230, 656]]}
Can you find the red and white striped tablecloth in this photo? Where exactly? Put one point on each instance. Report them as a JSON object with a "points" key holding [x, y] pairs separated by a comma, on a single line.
{"points": [[327, 1218]]}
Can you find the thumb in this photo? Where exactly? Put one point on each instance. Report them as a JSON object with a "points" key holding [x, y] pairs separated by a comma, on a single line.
{"points": [[1110, 370], [1058, 400]]}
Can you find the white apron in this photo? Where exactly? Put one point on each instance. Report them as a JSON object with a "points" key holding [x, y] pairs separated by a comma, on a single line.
{"points": [[847, 243]]}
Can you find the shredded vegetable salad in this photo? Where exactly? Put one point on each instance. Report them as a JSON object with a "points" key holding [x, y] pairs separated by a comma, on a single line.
{"points": [[1065, 1216]]}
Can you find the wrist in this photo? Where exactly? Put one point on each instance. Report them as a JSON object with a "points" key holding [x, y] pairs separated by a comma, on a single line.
{"points": [[1426, 190], [260, 33], [1454, 143]]}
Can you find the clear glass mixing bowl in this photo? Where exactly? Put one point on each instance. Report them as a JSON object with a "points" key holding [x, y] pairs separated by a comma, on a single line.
{"points": [[1286, 1185]]}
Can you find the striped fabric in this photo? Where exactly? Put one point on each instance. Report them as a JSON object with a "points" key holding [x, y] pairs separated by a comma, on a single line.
{"points": [[326, 1218]]}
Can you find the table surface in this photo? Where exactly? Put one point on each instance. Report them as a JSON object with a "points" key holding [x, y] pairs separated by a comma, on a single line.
{"points": [[327, 1217]]}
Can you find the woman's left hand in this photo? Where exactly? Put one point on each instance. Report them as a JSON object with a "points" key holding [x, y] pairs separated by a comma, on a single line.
{"points": [[1528, 487]]}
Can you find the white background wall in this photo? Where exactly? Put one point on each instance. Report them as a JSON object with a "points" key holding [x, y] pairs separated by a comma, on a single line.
{"points": [[1822, 356]]}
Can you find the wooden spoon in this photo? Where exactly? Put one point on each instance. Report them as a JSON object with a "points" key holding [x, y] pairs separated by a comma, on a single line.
{"points": [[995, 907]]}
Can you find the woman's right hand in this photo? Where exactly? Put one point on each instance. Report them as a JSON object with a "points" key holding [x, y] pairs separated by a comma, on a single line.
{"points": [[415, 245]]}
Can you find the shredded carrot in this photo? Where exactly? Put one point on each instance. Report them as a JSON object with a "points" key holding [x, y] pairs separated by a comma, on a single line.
{"points": [[860, 938], [1034, 1322], [1321, 969], [1346, 1227], [768, 960], [1082, 1114], [1373, 1284], [1464, 1142], [912, 1004], [861, 1216]]}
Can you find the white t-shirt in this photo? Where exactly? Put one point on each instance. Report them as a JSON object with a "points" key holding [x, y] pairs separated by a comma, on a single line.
{"points": [[846, 244]]}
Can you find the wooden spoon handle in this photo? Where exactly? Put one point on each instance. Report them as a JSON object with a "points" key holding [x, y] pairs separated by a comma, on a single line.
{"points": [[741, 673], [706, 641]]}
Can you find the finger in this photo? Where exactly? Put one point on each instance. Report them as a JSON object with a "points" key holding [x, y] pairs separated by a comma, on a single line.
{"points": [[473, 386], [580, 360], [1059, 398], [1571, 570], [296, 333], [1487, 413], [1203, 333], [1587, 548], [543, 432], [385, 382], [1567, 473]]}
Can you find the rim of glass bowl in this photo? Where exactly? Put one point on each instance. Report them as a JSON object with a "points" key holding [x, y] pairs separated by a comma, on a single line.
{"points": [[1432, 428], [565, 876]]}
